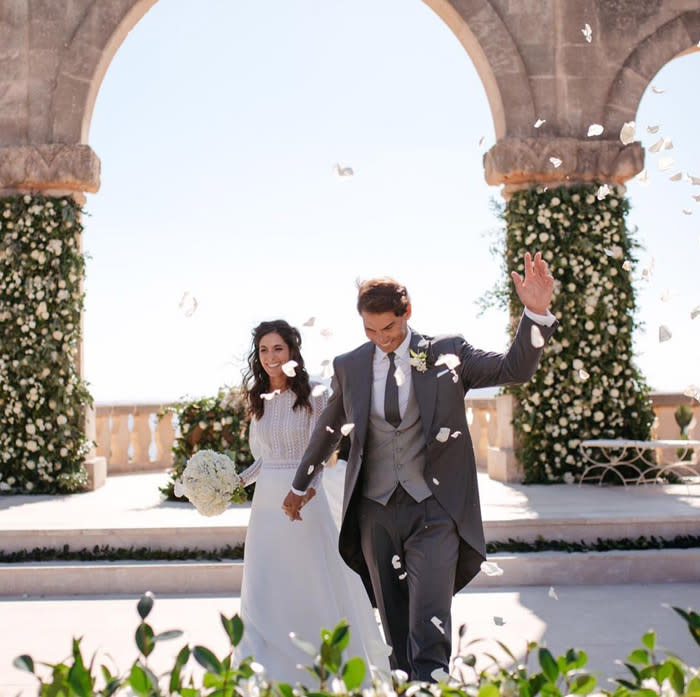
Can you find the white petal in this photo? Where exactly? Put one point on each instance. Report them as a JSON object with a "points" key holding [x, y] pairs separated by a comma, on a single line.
{"points": [[657, 90], [188, 304], [343, 171], [289, 368], [456, 434], [399, 376], [556, 162], [687, 211], [695, 312], [695, 181], [676, 177], [696, 197], [643, 177], [692, 391], [311, 469], [318, 390], [345, 429], [583, 375], [627, 265], [595, 129], [664, 333], [436, 481], [490, 568], [305, 646], [652, 129], [326, 333], [552, 593], [587, 33], [310, 322], [498, 621], [178, 489], [256, 667], [540, 122], [667, 295], [666, 163], [668, 144], [403, 576], [329, 429], [443, 434], [481, 141], [440, 675], [450, 360], [396, 561], [270, 395], [536, 338], [438, 623], [627, 132], [602, 192]]}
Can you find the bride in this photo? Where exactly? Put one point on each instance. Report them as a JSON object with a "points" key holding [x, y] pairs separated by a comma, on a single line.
{"points": [[294, 579]]}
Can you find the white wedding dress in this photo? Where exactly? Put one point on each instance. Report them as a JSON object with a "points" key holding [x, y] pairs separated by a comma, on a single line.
{"points": [[294, 579]]}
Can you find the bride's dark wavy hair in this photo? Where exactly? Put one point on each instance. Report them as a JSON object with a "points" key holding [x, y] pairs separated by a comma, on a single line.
{"points": [[256, 381]]}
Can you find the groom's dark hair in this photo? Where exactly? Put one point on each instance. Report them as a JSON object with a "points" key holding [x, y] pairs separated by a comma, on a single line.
{"points": [[383, 294]]}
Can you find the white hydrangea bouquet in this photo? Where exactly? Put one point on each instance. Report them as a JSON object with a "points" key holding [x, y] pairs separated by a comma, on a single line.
{"points": [[210, 482]]}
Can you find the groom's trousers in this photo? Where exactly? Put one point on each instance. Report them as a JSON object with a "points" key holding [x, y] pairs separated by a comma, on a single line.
{"points": [[411, 551]]}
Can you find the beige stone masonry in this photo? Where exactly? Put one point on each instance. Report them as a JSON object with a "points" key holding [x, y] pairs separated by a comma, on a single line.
{"points": [[521, 163], [49, 168]]}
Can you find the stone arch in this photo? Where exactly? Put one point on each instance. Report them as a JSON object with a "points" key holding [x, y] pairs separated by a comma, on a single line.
{"points": [[679, 35], [106, 24]]}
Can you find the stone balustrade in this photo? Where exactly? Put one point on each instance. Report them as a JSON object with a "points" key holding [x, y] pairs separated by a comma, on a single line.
{"points": [[133, 439]]}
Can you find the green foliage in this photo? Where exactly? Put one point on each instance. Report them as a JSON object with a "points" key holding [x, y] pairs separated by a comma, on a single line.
{"points": [[552, 676], [42, 397], [587, 385], [212, 423]]}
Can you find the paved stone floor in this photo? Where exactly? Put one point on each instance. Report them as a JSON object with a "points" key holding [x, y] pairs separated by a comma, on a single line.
{"points": [[606, 621]]}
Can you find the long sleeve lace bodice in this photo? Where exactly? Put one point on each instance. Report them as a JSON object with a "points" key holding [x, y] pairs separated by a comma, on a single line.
{"points": [[278, 440]]}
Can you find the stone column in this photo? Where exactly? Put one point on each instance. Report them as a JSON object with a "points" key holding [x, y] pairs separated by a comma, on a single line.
{"points": [[57, 170]]}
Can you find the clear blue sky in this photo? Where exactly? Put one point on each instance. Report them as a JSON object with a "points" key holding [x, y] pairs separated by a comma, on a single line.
{"points": [[218, 125]]}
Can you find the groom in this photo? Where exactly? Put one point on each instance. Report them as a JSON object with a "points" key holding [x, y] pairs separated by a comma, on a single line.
{"points": [[411, 517]]}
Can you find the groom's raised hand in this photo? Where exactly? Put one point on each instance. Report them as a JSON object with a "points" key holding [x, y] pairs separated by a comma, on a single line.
{"points": [[535, 290]]}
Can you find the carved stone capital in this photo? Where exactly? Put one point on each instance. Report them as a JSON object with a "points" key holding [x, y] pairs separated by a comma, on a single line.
{"points": [[522, 163], [70, 168]]}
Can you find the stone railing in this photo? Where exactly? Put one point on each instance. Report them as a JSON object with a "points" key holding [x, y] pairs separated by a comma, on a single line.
{"points": [[133, 439]]}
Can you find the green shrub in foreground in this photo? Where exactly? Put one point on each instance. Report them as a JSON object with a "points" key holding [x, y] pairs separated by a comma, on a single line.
{"points": [[649, 673]]}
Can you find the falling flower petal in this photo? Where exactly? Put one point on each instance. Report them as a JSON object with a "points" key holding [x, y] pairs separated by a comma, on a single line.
{"points": [[490, 568], [399, 376], [627, 265], [305, 646], [436, 481], [403, 576], [595, 129], [664, 333], [696, 197], [450, 360], [687, 211], [656, 147], [643, 177], [536, 338], [289, 368], [540, 122], [667, 295], [456, 434], [676, 177], [440, 675], [552, 593], [188, 304], [481, 141], [668, 144], [649, 270], [657, 90], [665, 163], [695, 312], [396, 561], [178, 489], [345, 429], [343, 171], [498, 621], [310, 322], [311, 469], [587, 32], [330, 430], [556, 162], [652, 129], [602, 192], [695, 181], [443, 434], [583, 375], [318, 390], [616, 252], [692, 391], [326, 332], [438, 623], [270, 395], [627, 132]]}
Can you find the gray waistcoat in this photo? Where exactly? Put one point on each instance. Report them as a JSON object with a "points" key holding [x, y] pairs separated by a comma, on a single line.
{"points": [[394, 457]]}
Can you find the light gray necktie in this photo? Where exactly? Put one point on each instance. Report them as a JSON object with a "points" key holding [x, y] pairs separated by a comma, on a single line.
{"points": [[391, 394]]}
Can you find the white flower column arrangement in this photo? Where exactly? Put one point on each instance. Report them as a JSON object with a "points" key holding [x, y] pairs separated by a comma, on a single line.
{"points": [[587, 385], [42, 398]]}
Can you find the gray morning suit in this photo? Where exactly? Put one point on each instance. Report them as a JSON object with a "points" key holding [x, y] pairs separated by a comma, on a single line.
{"points": [[412, 522]]}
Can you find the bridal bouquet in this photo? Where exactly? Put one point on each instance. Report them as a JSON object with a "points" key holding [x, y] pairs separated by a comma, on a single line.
{"points": [[210, 482]]}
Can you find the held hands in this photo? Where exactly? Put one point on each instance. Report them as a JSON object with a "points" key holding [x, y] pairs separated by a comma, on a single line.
{"points": [[535, 291], [293, 503]]}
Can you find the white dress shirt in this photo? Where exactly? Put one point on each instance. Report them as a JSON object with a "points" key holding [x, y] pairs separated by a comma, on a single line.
{"points": [[380, 370]]}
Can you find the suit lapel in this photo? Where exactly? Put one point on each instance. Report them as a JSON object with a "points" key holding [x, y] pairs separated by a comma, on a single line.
{"points": [[424, 385], [361, 376]]}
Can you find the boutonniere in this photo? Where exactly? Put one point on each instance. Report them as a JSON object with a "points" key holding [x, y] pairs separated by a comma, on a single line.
{"points": [[418, 360]]}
